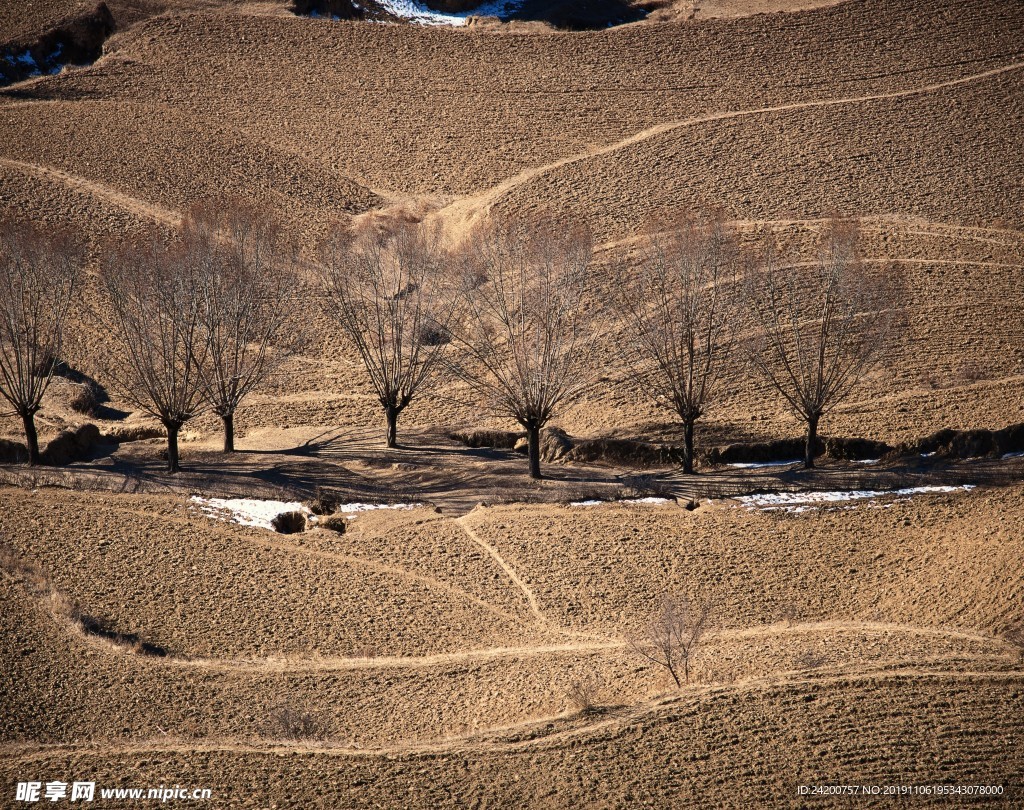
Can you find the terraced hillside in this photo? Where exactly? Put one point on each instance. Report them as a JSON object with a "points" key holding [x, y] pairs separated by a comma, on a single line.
{"points": [[436, 654], [432, 652], [909, 118]]}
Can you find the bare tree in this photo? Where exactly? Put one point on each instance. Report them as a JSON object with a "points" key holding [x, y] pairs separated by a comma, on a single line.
{"points": [[530, 313], [820, 328], [39, 272], [153, 314], [677, 307], [391, 294], [670, 638], [246, 287]]}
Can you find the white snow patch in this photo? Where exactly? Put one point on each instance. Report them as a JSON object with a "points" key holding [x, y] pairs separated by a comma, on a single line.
{"points": [[247, 511], [353, 508], [261, 513], [622, 500], [751, 465], [422, 14], [1011, 455], [802, 501], [866, 460]]}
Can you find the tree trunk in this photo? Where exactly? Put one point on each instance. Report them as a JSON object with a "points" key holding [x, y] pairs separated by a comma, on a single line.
{"points": [[392, 415], [688, 447], [172, 446], [229, 431], [812, 442], [533, 439], [31, 437]]}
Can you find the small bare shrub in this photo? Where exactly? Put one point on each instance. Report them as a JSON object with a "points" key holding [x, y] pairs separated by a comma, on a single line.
{"points": [[289, 523], [788, 613], [335, 523], [670, 638], [289, 723], [86, 399], [971, 373], [583, 694], [323, 502]]}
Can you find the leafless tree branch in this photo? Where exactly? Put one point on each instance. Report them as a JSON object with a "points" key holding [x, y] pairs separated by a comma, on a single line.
{"points": [[153, 314], [673, 634], [530, 313], [39, 274], [247, 295], [819, 329], [678, 307], [392, 295]]}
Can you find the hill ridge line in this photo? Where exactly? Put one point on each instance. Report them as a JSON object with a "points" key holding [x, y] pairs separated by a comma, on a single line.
{"points": [[477, 205]]}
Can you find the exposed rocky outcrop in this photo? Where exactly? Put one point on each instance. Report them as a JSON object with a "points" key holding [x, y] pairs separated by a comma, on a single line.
{"points": [[555, 444]]}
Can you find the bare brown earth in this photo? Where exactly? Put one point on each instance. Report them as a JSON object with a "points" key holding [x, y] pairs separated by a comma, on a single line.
{"points": [[434, 647], [436, 652]]}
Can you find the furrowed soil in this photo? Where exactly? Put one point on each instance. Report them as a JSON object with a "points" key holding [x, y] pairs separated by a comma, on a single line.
{"points": [[431, 653]]}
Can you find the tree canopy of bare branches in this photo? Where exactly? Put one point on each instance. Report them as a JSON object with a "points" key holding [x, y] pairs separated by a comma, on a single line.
{"points": [[530, 313], [247, 297], [678, 307], [153, 314], [392, 295], [39, 274], [672, 635], [819, 329]]}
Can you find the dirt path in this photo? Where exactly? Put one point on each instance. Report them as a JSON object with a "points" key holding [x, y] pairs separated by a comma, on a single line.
{"points": [[584, 647], [301, 665], [132, 205], [907, 225], [472, 535], [497, 740], [465, 212]]}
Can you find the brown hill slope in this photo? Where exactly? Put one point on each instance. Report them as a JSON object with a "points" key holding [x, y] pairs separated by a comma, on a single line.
{"points": [[879, 620], [909, 117]]}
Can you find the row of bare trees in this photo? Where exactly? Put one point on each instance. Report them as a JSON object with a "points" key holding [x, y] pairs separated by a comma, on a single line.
{"points": [[520, 310], [507, 315], [811, 331], [198, 321], [510, 318]]}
